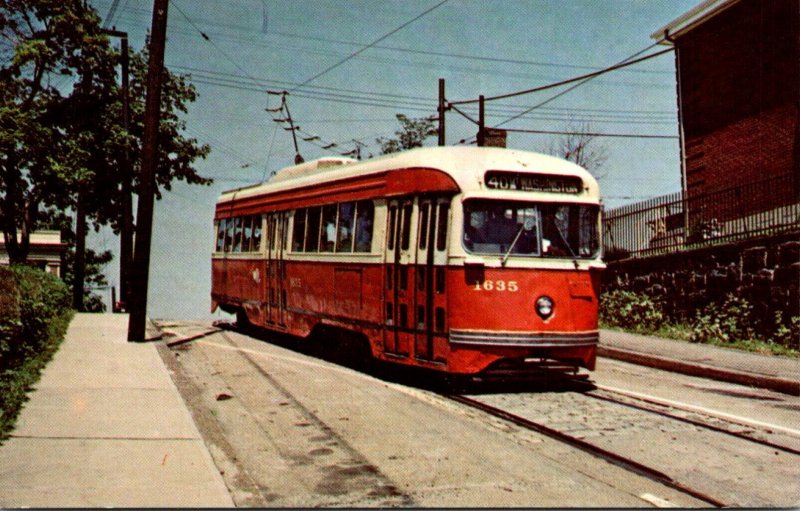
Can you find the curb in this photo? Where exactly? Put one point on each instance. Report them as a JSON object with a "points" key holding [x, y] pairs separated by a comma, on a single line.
{"points": [[782, 385]]}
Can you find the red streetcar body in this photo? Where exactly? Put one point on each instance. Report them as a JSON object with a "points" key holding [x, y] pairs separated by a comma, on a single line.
{"points": [[446, 258]]}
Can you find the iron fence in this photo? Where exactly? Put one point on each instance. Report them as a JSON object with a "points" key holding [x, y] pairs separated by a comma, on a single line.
{"points": [[686, 220]]}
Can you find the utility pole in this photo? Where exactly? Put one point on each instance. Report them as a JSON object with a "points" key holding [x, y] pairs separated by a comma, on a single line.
{"points": [[481, 122], [442, 109], [140, 271], [126, 225]]}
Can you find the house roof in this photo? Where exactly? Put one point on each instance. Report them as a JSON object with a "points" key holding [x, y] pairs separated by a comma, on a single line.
{"points": [[690, 20]]}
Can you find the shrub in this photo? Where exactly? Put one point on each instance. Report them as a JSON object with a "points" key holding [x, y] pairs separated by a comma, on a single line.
{"points": [[731, 321], [629, 310], [34, 315], [788, 335]]}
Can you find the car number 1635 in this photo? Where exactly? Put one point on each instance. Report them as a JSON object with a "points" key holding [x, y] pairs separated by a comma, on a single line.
{"points": [[497, 285]]}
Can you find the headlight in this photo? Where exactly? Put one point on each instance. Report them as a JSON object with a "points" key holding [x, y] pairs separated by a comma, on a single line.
{"points": [[544, 307]]}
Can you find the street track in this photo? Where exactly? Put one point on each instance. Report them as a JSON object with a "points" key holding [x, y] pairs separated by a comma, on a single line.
{"points": [[614, 458], [714, 421], [737, 427], [512, 401], [617, 459]]}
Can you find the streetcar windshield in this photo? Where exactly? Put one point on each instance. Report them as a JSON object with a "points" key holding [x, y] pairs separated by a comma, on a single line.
{"points": [[502, 228]]}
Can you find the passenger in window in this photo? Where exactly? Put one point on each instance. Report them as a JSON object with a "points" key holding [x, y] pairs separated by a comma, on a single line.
{"points": [[328, 228], [344, 241], [364, 229]]}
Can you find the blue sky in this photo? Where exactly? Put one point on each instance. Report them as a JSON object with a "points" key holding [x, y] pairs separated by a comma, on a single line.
{"points": [[487, 47]]}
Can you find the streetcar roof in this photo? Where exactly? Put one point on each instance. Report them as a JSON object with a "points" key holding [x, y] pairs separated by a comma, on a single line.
{"points": [[465, 165]]}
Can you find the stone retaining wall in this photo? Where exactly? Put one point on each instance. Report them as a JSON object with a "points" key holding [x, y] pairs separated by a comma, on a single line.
{"points": [[766, 272]]}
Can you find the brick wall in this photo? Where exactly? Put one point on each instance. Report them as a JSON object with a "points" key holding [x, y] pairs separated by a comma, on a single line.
{"points": [[740, 91]]}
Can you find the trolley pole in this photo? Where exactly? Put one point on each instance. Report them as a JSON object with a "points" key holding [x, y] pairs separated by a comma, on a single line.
{"points": [[481, 122], [140, 270], [441, 111]]}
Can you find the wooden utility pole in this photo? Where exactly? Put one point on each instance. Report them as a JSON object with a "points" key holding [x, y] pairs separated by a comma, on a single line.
{"points": [[481, 122], [442, 109], [140, 270]]}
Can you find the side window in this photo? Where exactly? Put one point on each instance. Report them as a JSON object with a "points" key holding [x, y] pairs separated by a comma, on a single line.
{"points": [[256, 247], [312, 230], [247, 233], [365, 212], [237, 234], [344, 235], [328, 234], [299, 230], [229, 235], [441, 226], [221, 234]]}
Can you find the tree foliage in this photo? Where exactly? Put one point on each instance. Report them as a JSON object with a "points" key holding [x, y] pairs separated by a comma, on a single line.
{"points": [[44, 45], [413, 133], [60, 120]]}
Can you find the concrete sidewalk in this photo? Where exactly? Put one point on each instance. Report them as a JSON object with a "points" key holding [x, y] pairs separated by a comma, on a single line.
{"points": [[780, 374], [106, 427]]}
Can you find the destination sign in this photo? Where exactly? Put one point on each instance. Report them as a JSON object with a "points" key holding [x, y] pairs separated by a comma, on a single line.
{"points": [[501, 180]]}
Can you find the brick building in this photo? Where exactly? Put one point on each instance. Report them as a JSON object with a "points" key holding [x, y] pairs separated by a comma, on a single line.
{"points": [[738, 69]]}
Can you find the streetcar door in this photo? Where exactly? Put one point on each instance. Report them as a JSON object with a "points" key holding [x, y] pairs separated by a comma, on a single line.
{"points": [[276, 269], [399, 295], [429, 284]]}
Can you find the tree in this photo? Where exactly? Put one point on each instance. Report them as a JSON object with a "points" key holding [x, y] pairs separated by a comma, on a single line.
{"points": [[60, 123], [580, 146], [413, 133], [44, 44]]}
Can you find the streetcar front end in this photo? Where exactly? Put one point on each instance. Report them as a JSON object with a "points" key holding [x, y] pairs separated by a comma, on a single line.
{"points": [[525, 271]]}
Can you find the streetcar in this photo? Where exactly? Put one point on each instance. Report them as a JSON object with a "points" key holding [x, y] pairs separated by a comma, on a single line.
{"points": [[457, 259]]}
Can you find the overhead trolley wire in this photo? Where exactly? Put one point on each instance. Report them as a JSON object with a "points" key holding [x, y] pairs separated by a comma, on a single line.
{"points": [[591, 134], [244, 29], [626, 61], [244, 71], [563, 82], [581, 80], [416, 103], [370, 45]]}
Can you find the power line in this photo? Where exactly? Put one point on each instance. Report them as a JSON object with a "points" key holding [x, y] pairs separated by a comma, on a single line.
{"points": [[395, 101], [667, 115], [411, 50], [563, 82], [111, 12], [570, 89], [592, 134], [370, 45], [240, 68]]}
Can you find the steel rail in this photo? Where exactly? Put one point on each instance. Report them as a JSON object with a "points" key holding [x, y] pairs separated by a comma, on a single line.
{"points": [[611, 457], [694, 422]]}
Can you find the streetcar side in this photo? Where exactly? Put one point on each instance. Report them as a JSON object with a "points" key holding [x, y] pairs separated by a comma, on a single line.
{"points": [[388, 250]]}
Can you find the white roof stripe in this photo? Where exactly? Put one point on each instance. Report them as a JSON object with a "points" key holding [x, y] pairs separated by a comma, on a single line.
{"points": [[466, 165]]}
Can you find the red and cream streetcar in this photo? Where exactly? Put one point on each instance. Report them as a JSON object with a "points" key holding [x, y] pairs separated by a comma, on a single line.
{"points": [[459, 259]]}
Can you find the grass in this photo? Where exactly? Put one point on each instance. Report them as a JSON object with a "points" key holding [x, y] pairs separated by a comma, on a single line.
{"points": [[683, 332]]}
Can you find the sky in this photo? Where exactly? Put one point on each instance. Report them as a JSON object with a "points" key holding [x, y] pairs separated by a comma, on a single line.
{"points": [[351, 65]]}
